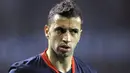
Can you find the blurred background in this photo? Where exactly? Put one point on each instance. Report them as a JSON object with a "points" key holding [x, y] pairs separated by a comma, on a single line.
{"points": [[105, 41]]}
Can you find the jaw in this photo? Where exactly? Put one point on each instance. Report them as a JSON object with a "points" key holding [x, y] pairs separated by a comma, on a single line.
{"points": [[58, 58], [57, 54]]}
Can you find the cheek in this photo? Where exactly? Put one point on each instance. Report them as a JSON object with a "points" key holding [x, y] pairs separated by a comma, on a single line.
{"points": [[75, 41], [55, 41], [76, 38]]}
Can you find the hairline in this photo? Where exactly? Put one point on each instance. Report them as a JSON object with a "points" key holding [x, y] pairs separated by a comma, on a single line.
{"points": [[51, 20]]}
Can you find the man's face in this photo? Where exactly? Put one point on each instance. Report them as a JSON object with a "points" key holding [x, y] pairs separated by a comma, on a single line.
{"points": [[63, 35]]}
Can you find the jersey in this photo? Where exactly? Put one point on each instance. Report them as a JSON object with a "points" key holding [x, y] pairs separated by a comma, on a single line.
{"points": [[41, 64]]}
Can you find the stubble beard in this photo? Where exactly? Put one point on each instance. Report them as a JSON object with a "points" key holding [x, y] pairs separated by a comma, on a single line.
{"points": [[59, 54]]}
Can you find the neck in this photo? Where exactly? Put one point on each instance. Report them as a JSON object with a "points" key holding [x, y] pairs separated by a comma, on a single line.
{"points": [[63, 64]]}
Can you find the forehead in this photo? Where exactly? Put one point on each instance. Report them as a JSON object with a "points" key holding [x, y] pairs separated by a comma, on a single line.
{"points": [[73, 22]]}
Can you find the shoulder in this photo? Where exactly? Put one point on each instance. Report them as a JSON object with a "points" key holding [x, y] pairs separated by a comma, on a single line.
{"points": [[83, 66], [27, 64]]}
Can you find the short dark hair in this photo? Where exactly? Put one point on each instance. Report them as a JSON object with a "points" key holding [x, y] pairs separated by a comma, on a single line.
{"points": [[66, 8]]}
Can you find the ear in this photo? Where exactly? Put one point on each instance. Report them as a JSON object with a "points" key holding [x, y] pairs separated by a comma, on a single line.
{"points": [[80, 34], [81, 30], [46, 31]]}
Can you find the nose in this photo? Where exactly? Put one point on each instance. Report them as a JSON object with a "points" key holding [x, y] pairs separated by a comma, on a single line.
{"points": [[66, 37]]}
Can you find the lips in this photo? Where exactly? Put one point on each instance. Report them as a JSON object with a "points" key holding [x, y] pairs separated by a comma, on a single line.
{"points": [[64, 48]]}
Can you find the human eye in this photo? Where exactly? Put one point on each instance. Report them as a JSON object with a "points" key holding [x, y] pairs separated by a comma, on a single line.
{"points": [[60, 30], [74, 31]]}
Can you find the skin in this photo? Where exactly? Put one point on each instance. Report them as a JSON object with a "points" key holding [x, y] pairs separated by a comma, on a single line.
{"points": [[63, 34]]}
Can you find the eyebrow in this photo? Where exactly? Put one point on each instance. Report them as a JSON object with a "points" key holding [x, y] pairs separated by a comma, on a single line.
{"points": [[57, 28], [74, 29], [65, 28]]}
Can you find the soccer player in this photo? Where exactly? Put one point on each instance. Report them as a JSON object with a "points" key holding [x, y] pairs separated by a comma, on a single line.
{"points": [[63, 32]]}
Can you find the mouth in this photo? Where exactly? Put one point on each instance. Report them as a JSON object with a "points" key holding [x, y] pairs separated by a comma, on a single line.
{"points": [[64, 48]]}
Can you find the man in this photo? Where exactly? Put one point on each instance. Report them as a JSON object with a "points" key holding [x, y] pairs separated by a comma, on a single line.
{"points": [[63, 33]]}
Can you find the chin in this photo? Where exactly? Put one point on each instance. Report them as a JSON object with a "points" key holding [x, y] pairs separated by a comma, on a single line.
{"points": [[64, 55]]}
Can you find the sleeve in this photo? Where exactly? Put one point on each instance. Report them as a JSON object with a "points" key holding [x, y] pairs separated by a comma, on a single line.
{"points": [[16, 67], [13, 71], [13, 68]]}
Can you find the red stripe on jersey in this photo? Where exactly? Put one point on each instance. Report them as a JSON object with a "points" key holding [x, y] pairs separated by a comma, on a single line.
{"points": [[45, 58]]}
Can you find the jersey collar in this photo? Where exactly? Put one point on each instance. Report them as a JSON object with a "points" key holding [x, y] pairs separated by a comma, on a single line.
{"points": [[47, 61]]}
